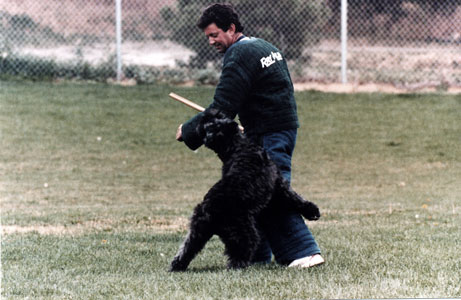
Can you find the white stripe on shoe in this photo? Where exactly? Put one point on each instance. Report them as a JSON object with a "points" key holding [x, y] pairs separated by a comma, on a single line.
{"points": [[308, 261]]}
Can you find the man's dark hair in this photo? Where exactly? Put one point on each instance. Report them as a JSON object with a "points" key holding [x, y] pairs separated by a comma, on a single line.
{"points": [[222, 14]]}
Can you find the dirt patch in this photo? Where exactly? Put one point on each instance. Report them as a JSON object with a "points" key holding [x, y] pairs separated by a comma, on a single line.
{"points": [[372, 88], [157, 225], [42, 230]]}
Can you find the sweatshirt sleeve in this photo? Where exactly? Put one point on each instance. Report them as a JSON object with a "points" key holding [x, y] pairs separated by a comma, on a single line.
{"points": [[231, 92], [189, 133]]}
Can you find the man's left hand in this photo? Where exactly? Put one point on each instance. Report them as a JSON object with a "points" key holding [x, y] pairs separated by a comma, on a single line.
{"points": [[179, 134]]}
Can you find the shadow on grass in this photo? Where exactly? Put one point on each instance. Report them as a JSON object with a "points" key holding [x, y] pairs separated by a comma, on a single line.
{"points": [[207, 269]]}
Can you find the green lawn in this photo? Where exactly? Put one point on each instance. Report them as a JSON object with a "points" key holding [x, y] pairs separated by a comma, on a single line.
{"points": [[96, 193]]}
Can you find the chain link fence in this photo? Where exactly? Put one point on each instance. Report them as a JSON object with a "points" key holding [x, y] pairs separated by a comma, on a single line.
{"points": [[403, 43]]}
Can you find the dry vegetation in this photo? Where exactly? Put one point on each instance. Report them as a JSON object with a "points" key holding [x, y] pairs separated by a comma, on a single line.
{"points": [[96, 18]]}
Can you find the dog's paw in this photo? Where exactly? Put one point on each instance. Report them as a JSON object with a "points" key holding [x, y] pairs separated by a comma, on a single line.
{"points": [[311, 212], [237, 264], [177, 266]]}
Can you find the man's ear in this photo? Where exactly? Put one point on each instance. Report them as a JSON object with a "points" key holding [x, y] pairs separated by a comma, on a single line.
{"points": [[231, 29]]}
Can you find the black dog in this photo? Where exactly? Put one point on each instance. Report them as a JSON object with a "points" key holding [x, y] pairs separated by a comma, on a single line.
{"points": [[250, 186]]}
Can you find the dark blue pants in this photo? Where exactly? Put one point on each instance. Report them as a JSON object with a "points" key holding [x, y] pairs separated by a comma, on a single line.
{"points": [[287, 235]]}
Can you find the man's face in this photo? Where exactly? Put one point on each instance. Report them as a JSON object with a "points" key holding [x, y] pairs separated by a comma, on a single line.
{"points": [[218, 38]]}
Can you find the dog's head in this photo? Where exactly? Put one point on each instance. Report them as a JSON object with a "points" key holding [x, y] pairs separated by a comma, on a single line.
{"points": [[216, 129]]}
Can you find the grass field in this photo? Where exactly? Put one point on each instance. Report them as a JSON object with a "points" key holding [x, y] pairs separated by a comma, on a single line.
{"points": [[96, 193]]}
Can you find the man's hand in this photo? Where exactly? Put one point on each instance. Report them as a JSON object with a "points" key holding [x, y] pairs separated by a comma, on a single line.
{"points": [[179, 134]]}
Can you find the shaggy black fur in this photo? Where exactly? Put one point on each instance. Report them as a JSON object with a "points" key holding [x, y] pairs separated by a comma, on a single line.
{"points": [[251, 185]]}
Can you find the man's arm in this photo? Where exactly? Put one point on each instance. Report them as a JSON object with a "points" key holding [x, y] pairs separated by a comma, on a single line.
{"points": [[232, 90], [188, 133]]}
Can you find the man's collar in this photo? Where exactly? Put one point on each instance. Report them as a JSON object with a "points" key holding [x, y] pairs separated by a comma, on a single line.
{"points": [[242, 38]]}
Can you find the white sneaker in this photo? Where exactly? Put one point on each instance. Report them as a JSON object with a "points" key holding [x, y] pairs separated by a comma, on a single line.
{"points": [[308, 261]]}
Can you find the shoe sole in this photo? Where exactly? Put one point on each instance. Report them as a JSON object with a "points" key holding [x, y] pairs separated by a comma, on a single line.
{"points": [[307, 262]]}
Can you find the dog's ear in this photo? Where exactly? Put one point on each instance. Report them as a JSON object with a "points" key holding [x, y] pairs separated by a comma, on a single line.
{"points": [[215, 128], [228, 127], [214, 113], [207, 116], [215, 116], [223, 124]]}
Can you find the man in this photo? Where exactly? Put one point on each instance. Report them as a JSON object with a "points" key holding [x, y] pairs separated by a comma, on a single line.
{"points": [[255, 84]]}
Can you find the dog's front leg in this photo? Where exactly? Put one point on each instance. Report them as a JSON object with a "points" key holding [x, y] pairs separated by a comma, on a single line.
{"points": [[199, 234]]}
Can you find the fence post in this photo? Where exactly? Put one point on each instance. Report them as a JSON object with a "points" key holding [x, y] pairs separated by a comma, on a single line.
{"points": [[344, 41], [118, 33]]}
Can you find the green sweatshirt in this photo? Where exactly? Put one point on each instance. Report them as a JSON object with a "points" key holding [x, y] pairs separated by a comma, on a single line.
{"points": [[255, 84]]}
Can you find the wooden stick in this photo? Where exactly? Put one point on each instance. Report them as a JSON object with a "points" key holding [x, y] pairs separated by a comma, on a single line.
{"points": [[186, 101], [191, 104]]}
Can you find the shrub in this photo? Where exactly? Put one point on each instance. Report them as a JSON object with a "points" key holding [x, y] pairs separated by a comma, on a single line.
{"points": [[287, 24], [30, 67]]}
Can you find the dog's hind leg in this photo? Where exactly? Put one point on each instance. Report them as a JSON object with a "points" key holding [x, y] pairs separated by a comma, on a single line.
{"points": [[241, 242], [199, 234]]}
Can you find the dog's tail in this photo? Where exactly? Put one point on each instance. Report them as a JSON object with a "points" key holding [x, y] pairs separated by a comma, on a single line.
{"points": [[292, 200]]}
